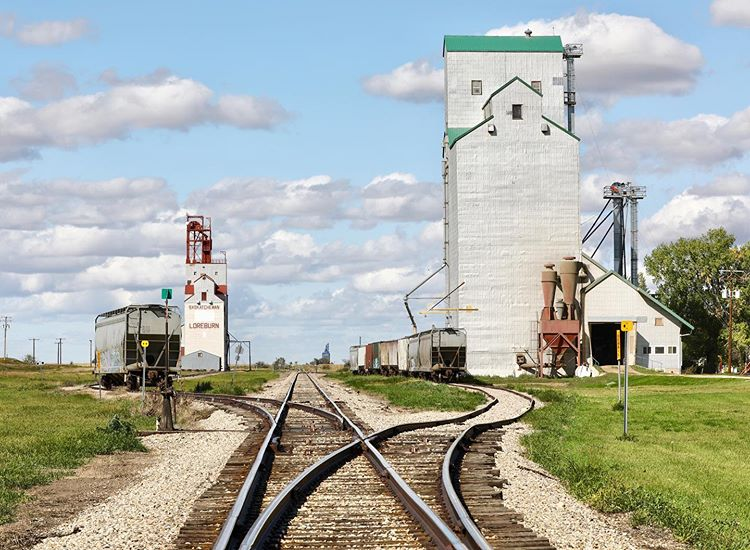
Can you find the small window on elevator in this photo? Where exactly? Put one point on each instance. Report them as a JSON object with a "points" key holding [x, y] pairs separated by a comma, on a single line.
{"points": [[537, 85], [203, 297], [517, 112], [476, 87]]}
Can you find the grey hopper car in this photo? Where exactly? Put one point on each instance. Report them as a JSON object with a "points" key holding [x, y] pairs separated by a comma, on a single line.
{"points": [[119, 356], [439, 354]]}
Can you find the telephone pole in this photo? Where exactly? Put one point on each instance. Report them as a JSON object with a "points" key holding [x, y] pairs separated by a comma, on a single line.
{"points": [[5, 320], [59, 342], [33, 349]]}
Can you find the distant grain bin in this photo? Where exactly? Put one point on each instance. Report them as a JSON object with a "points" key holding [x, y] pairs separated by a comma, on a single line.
{"points": [[511, 180], [205, 334]]}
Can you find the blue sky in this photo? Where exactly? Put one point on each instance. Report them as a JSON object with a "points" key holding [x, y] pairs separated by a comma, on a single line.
{"points": [[117, 118]]}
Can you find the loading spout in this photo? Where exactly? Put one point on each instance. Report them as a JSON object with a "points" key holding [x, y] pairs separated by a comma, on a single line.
{"points": [[413, 290]]}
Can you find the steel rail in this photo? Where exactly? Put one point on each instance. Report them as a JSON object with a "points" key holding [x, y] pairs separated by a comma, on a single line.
{"points": [[239, 510], [241, 403], [440, 533], [454, 503], [222, 398], [338, 410], [198, 395]]}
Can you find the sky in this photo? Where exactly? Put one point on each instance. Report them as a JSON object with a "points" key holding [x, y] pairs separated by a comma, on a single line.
{"points": [[311, 134]]}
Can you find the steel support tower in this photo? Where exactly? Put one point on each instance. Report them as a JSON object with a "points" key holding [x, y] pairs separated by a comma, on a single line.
{"points": [[622, 193]]}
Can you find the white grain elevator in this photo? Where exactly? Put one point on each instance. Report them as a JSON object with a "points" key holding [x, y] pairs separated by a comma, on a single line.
{"points": [[511, 179]]}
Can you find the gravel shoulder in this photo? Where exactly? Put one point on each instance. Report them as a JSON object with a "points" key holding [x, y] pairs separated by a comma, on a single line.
{"points": [[151, 509], [552, 512]]}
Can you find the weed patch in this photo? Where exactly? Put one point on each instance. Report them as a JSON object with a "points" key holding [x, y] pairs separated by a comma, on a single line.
{"points": [[229, 383]]}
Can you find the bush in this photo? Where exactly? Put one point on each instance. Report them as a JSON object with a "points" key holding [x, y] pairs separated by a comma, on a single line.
{"points": [[203, 387]]}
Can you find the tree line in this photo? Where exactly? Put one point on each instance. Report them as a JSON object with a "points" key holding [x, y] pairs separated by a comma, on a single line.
{"points": [[692, 276]]}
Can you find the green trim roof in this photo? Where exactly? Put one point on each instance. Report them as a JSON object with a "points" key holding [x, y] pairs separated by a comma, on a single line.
{"points": [[511, 81], [631, 285], [454, 43], [454, 134], [556, 125]]}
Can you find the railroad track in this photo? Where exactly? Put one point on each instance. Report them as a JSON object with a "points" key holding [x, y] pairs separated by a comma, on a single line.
{"points": [[318, 481], [471, 488]]}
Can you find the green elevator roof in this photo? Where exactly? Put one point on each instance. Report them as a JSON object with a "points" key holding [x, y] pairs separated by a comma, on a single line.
{"points": [[455, 43]]}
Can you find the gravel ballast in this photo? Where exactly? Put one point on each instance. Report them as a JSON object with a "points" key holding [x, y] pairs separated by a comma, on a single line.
{"points": [[380, 415], [547, 507], [149, 513]]}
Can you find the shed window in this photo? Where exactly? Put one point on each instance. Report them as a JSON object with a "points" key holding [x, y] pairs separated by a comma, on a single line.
{"points": [[672, 349], [658, 321], [476, 87], [537, 85], [659, 349], [517, 112], [646, 350]]}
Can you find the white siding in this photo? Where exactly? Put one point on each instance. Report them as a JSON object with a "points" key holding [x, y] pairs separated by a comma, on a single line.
{"points": [[494, 69], [513, 206], [613, 300]]}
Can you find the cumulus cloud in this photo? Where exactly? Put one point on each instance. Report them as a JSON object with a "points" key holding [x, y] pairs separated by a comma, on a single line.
{"points": [[624, 55], [398, 197], [647, 144], [115, 203], [735, 13], [46, 82], [723, 202], [416, 81], [172, 102], [313, 202], [76, 248], [45, 33]]}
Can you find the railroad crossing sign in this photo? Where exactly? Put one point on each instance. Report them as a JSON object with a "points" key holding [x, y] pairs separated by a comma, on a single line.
{"points": [[166, 293], [626, 326], [144, 344]]}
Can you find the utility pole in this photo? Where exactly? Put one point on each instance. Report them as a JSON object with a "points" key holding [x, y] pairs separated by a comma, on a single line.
{"points": [[59, 342], [6, 325], [91, 351], [33, 349]]}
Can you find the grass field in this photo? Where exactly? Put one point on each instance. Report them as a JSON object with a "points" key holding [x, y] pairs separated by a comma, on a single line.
{"points": [[412, 393], [232, 383], [684, 468], [46, 432]]}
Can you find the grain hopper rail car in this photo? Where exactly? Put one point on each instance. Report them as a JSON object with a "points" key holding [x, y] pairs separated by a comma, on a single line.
{"points": [[120, 355]]}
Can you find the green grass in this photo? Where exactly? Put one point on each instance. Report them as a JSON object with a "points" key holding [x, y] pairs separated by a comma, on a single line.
{"points": [[684, 466], [46, 432], [412, 393], [232, 383]]}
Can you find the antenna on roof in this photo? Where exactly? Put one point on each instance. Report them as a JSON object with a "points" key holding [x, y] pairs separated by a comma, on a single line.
{"points": [[527, 32]]}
